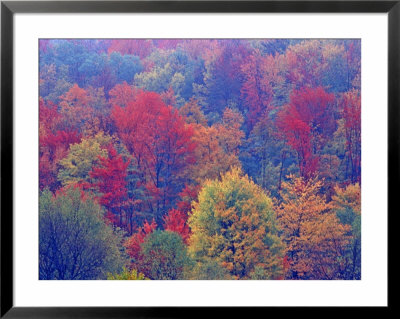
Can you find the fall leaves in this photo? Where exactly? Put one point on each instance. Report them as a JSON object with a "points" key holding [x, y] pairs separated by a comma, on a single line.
{"points": [[204, 159], [316, 241], [233, 223]]}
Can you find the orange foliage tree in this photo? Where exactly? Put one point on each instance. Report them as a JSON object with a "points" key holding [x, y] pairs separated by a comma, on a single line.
{"points": [[316, 242]]}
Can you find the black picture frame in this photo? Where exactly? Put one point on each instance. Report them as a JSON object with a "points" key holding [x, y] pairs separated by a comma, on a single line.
{"points": [[9, 8]]}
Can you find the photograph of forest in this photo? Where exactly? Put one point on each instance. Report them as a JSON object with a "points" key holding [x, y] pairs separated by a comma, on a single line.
{"points": [[199, 159]]}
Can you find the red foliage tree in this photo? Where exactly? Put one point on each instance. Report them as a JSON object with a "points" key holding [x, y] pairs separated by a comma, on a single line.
{"points": [[49, 118], [139, 47], [160, 142], [54, 144], [133, 243], [305, 123], [176, 221], [110, 180], [187, 196]]}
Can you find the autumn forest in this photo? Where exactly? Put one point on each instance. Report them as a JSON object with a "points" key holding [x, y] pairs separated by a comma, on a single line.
{"points": [[200, 159]]}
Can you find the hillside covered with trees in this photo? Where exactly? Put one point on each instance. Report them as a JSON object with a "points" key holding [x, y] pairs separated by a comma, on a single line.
{"points": [[200, 159]]}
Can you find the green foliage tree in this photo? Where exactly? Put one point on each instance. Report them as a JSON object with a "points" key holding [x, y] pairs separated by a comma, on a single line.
{"points": [[233, 224], [75, 167], [74, 240], [157, 80], [347, 204], [164, 256]]}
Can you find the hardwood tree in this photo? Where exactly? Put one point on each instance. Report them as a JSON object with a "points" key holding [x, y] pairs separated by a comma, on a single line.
{"points": [[315, 240], [234, 225], [74, 240]]}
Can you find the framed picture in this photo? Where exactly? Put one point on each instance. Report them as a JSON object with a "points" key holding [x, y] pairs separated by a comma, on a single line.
{"points": [[162, 155]]}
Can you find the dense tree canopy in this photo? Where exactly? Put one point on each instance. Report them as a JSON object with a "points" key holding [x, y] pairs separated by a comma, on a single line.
{"points": [[200, 159]]}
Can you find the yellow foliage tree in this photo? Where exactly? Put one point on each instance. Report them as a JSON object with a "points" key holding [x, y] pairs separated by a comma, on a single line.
{"points": [[234, 228]]}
